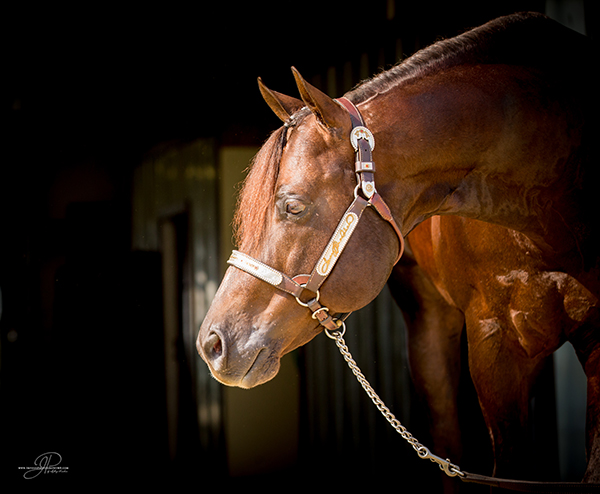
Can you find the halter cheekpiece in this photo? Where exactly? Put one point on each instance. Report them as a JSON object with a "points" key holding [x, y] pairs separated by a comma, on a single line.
{"points": [[365, 195]]}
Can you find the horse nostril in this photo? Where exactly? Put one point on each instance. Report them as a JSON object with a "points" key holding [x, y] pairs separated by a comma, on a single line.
{"points": [[213, 346], [218, 347]]}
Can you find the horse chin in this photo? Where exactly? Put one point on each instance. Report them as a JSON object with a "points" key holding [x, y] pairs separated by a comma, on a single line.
{"points": [[264, 368]]}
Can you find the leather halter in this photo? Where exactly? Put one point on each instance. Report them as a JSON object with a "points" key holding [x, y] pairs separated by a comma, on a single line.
{"points": [[363, 142]]}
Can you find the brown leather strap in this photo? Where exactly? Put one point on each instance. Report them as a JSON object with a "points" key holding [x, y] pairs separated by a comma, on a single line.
{"points": [[384, 211], [528, 486], [364, 165], [322, 315], [355, 115]]}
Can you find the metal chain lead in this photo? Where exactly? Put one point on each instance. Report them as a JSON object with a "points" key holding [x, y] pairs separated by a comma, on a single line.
{"points": [[449, 468]]}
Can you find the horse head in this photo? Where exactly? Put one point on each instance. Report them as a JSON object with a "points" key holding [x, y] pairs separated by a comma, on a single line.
{"points": [[299, 186], [470, 126]]}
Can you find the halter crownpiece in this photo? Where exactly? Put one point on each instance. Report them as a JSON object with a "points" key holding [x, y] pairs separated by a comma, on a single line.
{"points": [[363, 143]]}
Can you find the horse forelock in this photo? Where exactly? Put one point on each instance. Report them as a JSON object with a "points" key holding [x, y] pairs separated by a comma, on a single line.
{"points": [[257, 194]]}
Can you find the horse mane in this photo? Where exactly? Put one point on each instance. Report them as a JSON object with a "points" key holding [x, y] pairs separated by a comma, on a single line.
{"points": [[526, 39], [529, 39]]}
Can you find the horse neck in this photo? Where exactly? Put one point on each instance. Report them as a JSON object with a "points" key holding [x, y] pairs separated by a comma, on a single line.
{"points": [[486, 150]]}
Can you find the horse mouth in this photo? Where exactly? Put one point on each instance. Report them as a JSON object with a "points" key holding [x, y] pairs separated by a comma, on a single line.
{"points": [[248, 378], [262, 369]]}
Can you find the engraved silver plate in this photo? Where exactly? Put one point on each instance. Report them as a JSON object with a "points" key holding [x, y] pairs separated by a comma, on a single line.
{"points": [[368, 188], [255, 268], [337, 243]]}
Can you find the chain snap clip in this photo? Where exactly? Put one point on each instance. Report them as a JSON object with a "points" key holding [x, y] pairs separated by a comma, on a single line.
{"points": [[445, 465]]}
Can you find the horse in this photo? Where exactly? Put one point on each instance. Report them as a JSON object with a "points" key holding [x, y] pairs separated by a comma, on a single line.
{"points": [[495, 125]]}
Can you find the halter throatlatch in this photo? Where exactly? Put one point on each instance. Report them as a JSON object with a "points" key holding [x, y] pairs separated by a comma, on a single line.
{"points": [[365, 195]]}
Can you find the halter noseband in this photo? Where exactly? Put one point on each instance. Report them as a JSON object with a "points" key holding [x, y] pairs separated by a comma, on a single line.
{"points": [[363, 142]]}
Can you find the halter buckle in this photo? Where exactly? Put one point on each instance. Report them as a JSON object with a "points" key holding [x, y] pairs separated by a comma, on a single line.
{"points": [[360, 132], [315, 314]]}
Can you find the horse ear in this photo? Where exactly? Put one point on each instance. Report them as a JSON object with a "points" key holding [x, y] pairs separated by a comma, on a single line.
{"points": [[283, 106], [327, 111]]}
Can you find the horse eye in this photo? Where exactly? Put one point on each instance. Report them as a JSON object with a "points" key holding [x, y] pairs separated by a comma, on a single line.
{"points": [[294, 207]]}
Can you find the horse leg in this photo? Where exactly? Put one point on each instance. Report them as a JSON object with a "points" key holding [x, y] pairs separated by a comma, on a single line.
{"points": [[503, 376], [434, 331], [586, 342], [592, 366]]}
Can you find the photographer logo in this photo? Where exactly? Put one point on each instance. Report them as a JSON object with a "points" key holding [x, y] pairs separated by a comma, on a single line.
{"points": [[46, 463]]}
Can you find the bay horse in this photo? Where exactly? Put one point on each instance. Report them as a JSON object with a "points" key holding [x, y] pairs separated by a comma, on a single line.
{"points": [[495, 126]]}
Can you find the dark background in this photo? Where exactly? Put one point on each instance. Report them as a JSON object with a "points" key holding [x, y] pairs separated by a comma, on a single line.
{"points": [[101, 85]]}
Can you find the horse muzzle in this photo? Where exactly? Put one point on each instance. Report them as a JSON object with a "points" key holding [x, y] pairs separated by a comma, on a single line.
{"points": [[232, 363]]}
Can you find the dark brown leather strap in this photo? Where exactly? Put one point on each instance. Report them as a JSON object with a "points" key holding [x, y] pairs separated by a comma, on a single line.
{"points": [[528, 486], [322, 315], [364, 165]]}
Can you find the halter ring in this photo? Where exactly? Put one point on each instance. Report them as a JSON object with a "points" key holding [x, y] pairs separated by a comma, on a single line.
{"points": [[316, 299], [338, 333]]}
